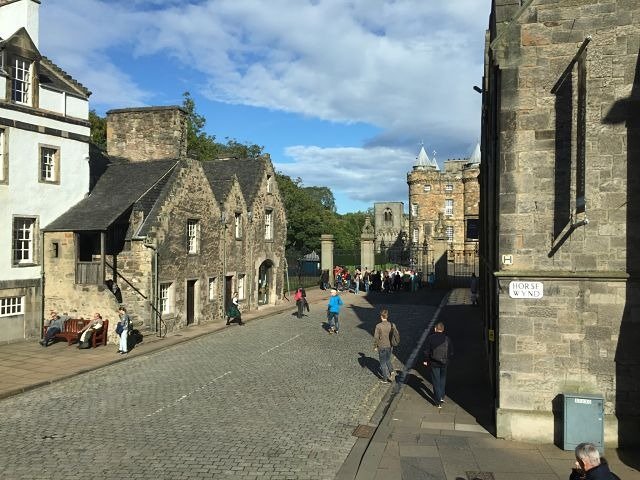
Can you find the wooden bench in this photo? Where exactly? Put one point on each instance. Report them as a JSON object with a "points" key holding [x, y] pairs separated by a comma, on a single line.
{"points": [[73, 326]]}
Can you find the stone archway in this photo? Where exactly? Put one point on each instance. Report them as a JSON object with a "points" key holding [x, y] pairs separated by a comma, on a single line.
{"points": [[265, 282]]}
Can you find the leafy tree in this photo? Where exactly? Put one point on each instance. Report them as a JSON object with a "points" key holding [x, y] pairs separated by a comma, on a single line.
{"points": [[324, 196], [202, 146], [98, 127]]}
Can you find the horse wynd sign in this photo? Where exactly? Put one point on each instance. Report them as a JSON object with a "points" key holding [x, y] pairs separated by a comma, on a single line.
{"points": [[525, 289]]}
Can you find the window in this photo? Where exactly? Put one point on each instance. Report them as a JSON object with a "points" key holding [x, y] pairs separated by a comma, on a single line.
{"points": [[166, 298], [23, 240], [414, 209], [11, 306], [449, 232], [4, 166], [268, 225], [213, 288], [448, 207], [20, 80], [269, 184], [388, 216], [238, 225], [241, 287], [472, 229], [448, 188], [49, 164], [427, 188], [193, 236], [55, 249], [414, 235]]}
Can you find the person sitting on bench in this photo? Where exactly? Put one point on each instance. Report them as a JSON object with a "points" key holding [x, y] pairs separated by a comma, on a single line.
{"points": [[56, 324], [87, 332]]}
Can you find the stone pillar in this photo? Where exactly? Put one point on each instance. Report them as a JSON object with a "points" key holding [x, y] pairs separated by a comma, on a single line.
{"points": [[326, 255], [367, 246]]}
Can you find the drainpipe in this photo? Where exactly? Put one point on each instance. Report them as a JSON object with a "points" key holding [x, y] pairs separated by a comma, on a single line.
{"points": [[154, 289], [223, 222], [41, 283]]}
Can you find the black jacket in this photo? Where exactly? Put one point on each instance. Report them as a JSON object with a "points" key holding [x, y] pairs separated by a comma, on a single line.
{"points": [[601, 472], [433, 341]]}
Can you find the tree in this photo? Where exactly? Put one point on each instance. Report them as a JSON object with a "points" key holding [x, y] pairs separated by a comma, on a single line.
{"points": [[202, 146], [324, 196], [98, 126]]}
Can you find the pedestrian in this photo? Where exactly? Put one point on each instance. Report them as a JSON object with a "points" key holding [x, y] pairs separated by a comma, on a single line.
{"points": [[300, 299], [366, 277], [125, 323], [55, 326], [383, 340], [333, 311], [356, 283], [473, 288], [234, 310], [589, 465], [324, 280], [438, 351]]}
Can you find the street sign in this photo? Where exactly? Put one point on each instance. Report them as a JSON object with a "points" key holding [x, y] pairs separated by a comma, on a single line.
{"points": [[518, 289]]}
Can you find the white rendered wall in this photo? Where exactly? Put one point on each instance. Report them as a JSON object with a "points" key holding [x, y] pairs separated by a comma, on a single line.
{"points": [[51, 100], [26, 196], [24, 13], [77, 107]]}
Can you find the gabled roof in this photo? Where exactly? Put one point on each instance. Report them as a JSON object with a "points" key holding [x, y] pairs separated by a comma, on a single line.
{"points": [[118, 189], [52, 75], [49, 74], [248, 171]]}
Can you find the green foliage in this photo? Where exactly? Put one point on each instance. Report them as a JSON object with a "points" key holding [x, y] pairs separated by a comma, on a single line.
{"points": [[324, 196], [98, 127], [202, 146], [309, 215]]}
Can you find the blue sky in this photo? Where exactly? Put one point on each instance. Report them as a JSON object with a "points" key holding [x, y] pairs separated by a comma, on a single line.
{"points": [[340, 93]]}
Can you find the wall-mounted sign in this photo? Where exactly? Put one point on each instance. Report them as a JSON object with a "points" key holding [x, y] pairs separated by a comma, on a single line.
{"points": [[507, 259], [519, 289], [492, 336]]}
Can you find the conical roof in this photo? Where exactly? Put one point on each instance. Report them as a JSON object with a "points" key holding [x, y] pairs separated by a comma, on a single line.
{"points": [[475, 156]]}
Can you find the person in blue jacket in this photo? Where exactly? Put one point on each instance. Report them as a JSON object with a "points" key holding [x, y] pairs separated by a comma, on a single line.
{"points": [[333, 311]]}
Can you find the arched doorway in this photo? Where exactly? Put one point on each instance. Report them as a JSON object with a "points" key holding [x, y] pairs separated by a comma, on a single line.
{"points": [[265, 282]]}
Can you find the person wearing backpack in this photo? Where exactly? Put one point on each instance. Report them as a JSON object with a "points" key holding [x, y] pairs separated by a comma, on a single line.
{"points": [[437, 353], [385, 337]]}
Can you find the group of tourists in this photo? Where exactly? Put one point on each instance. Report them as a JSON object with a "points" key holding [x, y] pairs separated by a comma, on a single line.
{"points": [[385, 281], [56, 325]]}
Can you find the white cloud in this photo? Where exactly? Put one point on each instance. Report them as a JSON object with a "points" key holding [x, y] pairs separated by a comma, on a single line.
{"points": [[406, 67], [365, 175]]}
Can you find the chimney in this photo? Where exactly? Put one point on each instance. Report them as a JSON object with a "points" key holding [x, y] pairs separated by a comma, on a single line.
{"points": [[15, 14], [147, 133]]}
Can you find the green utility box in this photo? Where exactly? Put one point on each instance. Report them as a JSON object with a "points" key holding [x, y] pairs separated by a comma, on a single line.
{"points": [[583, 420]]}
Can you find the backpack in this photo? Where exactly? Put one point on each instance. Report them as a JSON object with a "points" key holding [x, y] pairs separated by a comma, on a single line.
{"points": [[440, 354], [298, 295], [394, 336]]}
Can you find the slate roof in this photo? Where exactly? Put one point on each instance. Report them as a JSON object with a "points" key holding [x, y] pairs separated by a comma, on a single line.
{"points": [[52, 75], [248, 171], [120, 187]]}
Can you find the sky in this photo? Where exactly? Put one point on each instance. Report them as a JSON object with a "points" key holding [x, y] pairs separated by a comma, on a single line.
{"points": [[340, 93]]}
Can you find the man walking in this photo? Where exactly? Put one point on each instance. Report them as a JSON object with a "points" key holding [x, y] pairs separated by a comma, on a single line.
{"points": [[382, 343], [437, 353], [473, 288], [589, 465], [335, 302]]}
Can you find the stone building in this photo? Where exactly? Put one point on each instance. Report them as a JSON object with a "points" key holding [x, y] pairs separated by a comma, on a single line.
{"points": [[177, 236], [560, 185], [443, 207], [391, 224], [44, 162]]}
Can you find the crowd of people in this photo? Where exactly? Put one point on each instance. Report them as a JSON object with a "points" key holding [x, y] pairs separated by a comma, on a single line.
{"points": [[355, 280]]}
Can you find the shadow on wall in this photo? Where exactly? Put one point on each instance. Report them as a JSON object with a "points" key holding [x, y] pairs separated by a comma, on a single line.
{"points": [[627, 111]]}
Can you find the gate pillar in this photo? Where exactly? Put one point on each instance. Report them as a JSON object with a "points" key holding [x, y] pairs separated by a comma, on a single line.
{"points": [[326, 255], [367, 245]]}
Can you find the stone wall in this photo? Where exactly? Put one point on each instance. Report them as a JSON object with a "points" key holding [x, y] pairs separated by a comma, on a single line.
{"points": [[148, 133], [582, 335]]}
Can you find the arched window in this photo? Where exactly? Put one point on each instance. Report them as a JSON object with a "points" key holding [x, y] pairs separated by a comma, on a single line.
{"points": [[388, 216]]}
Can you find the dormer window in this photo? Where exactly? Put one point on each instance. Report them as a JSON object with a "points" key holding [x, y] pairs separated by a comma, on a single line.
{"points": [[20, 80]]}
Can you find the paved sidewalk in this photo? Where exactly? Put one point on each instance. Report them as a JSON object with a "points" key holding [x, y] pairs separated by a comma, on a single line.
{"points": [[28, 365], [414, 440]]}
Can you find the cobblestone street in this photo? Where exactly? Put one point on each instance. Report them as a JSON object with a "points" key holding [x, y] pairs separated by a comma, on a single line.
{"points": [[276, 399]]}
